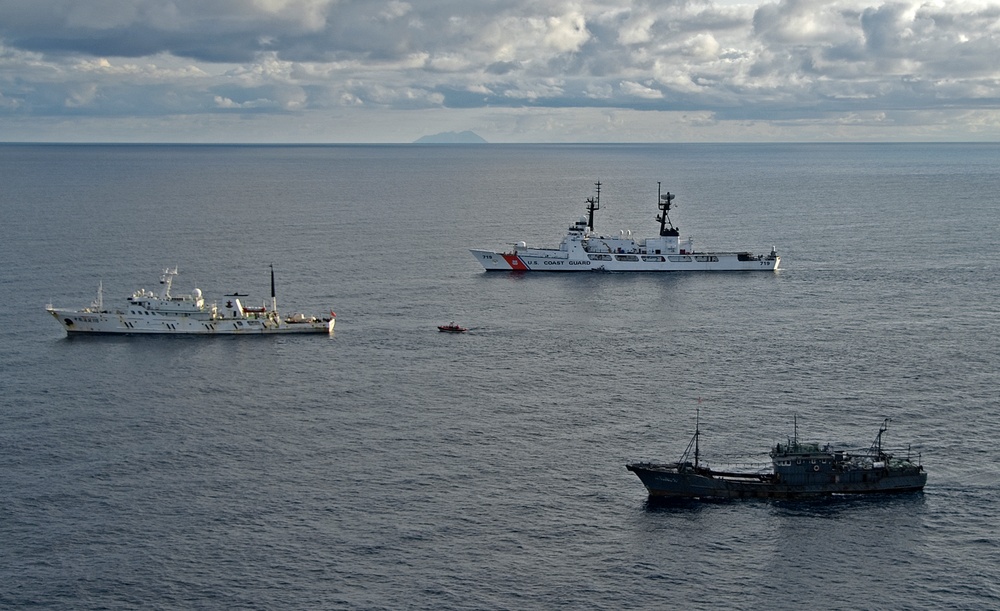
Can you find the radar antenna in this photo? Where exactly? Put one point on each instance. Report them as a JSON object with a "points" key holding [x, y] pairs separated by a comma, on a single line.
{"points": [[663, 203], [593, 204]]}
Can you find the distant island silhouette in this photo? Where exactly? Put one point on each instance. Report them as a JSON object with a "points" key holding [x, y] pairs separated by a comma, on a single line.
{"points": [[466, 137]]}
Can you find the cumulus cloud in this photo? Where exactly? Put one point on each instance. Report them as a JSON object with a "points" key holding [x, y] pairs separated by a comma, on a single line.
{"points": [[636, 30], [770, 61], [702, 46], [639, 90], [809, 22], [566, 33]]}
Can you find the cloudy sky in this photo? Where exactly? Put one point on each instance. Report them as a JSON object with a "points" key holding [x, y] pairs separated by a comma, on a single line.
{"points": [[509, 70]]}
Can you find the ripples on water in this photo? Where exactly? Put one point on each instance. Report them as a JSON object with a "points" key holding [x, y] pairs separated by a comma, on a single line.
{"points": [[392, 466]]}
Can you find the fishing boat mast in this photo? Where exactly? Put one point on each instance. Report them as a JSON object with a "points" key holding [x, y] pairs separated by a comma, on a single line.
{"points": [[694, 442], [876, 447], [697, 434]]}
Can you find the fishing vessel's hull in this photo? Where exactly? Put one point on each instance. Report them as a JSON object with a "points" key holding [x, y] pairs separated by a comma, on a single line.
{"points": [[75, 322], [561, 261], [667, 481]]}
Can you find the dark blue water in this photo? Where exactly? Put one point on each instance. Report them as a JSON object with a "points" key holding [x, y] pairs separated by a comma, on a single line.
{"points": [[392, 466]]}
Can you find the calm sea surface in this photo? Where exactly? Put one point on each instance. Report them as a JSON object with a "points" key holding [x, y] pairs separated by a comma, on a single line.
{"points": [[394, 467]]}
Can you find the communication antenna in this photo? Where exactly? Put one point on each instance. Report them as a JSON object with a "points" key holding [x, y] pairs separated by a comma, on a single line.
{"points": [[663, 203], [593, 204]]}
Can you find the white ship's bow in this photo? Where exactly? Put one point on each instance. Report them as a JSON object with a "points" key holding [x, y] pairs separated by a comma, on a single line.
{"points": [[494, 261]]}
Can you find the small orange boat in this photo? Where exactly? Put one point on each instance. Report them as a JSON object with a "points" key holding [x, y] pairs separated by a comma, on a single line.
{"points": [[452, 328]]}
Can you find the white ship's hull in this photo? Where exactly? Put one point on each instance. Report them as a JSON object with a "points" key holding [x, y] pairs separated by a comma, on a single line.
{"points": [[582, 250], [552, 260], [120, 323], [149, 313]]}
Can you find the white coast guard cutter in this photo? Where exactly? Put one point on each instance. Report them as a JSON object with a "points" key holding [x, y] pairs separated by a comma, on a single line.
{"points": [[584, 250]]}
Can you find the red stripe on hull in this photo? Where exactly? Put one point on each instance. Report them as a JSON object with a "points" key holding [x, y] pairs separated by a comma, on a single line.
{"points": [[515, 262]]}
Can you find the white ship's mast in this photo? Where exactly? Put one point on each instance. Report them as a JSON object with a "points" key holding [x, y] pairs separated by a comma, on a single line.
{"points": [[99, 302], [166, 280]]}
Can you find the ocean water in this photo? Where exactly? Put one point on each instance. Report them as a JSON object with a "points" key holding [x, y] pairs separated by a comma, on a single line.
{"points": [[394, 467]]}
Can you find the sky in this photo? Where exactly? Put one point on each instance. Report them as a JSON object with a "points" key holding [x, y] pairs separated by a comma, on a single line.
{"points": [[512, 71]]}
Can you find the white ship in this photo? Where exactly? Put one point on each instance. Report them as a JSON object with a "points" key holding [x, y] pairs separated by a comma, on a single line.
{"points": [[584, 250], [163, 313]]}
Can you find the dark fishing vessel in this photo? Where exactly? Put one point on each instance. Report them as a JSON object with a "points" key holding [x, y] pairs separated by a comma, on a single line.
{"points": [[799, 470]]}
